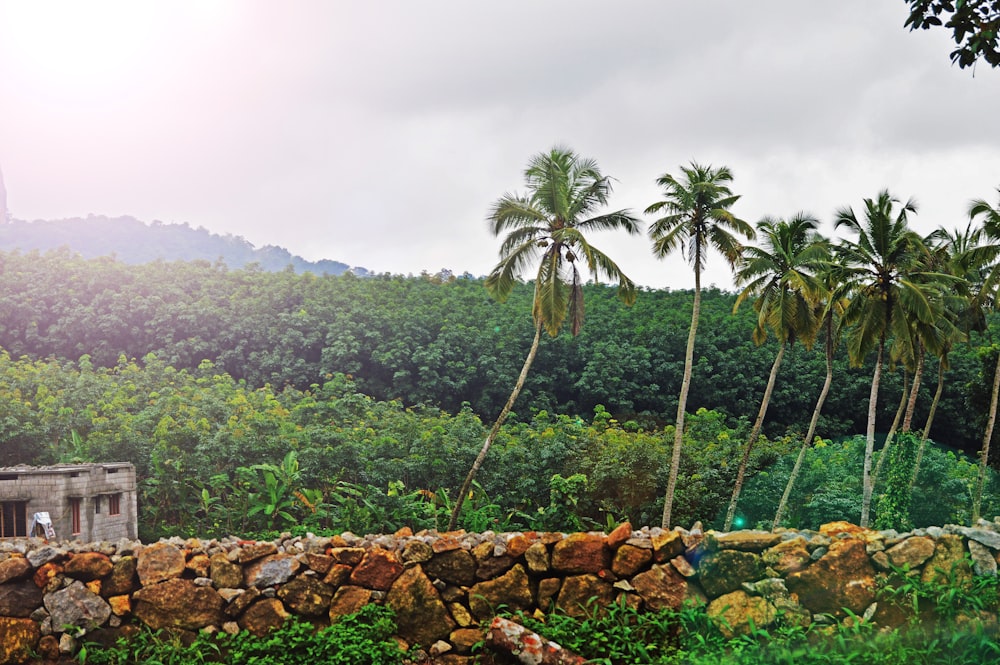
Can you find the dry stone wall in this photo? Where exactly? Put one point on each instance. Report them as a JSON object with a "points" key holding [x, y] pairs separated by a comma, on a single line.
{"points": [[446, 587]]}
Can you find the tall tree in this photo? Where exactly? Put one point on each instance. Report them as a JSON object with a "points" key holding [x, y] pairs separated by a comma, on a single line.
{"points": [[781, 277], [881, 267], [988, 256], [974, 25], [697, 217], [548, 225], [831, 311]]}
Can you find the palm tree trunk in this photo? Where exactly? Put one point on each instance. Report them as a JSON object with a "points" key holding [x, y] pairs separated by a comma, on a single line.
{"points": [[460, 497], [984, 455], [752, 439], [884, 455], [812, 427], [866, 498], [675, 457], [927, 426], [914, 388]]}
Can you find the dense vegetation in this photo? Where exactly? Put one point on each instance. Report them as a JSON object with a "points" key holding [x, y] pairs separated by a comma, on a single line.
{"points": [[207, 378]]}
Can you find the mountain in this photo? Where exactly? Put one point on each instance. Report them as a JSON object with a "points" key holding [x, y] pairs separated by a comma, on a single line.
{"points": [[132, 241]]}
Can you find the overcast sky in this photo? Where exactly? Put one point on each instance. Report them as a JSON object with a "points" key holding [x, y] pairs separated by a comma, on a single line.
{"points": [[379, 133]]}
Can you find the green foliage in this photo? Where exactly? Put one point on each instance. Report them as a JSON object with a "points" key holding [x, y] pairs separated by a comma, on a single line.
{"points": [[947, 597], [892, 510], [363, 638]]}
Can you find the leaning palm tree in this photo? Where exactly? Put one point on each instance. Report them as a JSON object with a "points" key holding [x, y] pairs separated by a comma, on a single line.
{"points": [[548, 225], [987, 255], [831, 309], [781, 277], [697, 218], [882, 266]]}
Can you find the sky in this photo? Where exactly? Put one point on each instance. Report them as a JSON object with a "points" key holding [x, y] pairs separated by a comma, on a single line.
{"points": [[379, 133]]}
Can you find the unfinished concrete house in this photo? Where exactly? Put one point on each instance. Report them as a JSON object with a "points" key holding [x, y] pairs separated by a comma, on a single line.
{"points": [[84, 502]]}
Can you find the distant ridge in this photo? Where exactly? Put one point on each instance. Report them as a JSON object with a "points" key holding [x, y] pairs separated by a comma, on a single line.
{"points": [[132, 241]]}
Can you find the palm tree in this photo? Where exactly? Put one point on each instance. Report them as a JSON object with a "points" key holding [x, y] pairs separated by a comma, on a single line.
{"points": [[697, 218], [781, 278], [987, 255], [832, 308], [548, 224], [887, 294]]}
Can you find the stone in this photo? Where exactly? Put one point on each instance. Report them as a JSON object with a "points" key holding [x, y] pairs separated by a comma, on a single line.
{"points": [[454, 567], [76, 605], [257, 550], [842, 578], [736, 613], [263, 616], [416, 551], [948, 565], [986, 537], [726, 570], [348, 600], [306, 596], [421, 616], [199, 564], [629, 560], [87, 566], [18, 639], [548, 589], [40, 557], [224, 573], [120, 605], [19, 599], [683, 566], [460, 614], [464, 639], [122, 578], [15, 569], [47, 572], [48, 648], [984, 563], [159, 562], [667, 545], [661, 587], [518, 544], [537, 558], [581, 553], [748, 541], [511, 589], [177, 603], [619, 535], [337, 575], [584, 595], [788, 556], [239, 603], [490, 567], [270, 570], [321, 563], [911, 553], [349, 556], [377, 570]]}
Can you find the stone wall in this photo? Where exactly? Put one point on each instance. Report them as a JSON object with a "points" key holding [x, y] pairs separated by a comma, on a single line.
{"points": [[444, 588]]}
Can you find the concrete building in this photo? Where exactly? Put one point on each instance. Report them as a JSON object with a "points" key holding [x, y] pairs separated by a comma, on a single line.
{"points": [[86, 502]]}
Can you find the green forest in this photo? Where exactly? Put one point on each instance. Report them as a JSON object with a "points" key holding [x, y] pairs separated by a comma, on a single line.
{"points": [[253, 401]]}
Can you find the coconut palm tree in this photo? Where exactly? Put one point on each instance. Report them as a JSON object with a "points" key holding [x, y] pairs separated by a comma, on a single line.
{"points": [[987, 256], [832, 308], [548, 224], [697, 218], [887, 294], [781, 277]]}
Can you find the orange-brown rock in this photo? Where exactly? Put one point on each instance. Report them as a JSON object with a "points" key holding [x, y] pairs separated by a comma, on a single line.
{"points": [[834, 529], [841, 578], [581, 553], [46, 572], [464, 639], [263, 616], [15, 568], [667, 545], [159, 562], [377, 570], [726, 570], [321, 563], [584, 595], [948, 565], [337, 575], [788, 556], [517, 544], [511, 589], [619, 535], [661, 587], [48, 648], [239, 603], [224, 573], [748, 541], [120, 605], [630, 559], [348, 600], [421, 616], [737, 613], [349, 556], [537, 558], [911, 553], [256, 550], [199, 564], [548, 589], [177, 603], [88, 566], [18, 639]]}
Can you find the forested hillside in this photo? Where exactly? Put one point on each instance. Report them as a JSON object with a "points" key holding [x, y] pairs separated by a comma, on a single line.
{"points": [[132, 241], [443, 342]]}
